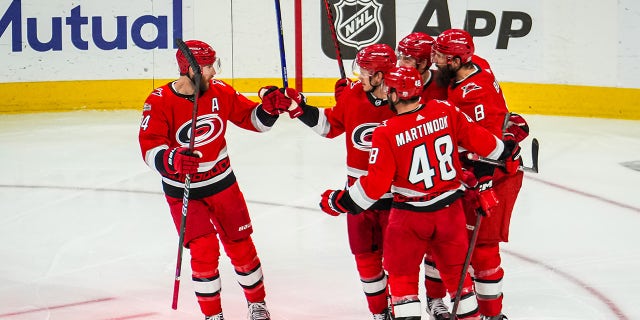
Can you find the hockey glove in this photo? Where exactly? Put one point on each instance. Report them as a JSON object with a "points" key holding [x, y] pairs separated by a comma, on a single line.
{"points": [[486, 197], [518, 127], [511, 154], [468, 179], [274, 102], [330, 202], [182, 161], [340, 85], [297, 99]]}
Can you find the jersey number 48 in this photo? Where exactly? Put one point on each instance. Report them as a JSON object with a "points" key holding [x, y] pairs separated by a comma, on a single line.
{"points": [[421, 170]]}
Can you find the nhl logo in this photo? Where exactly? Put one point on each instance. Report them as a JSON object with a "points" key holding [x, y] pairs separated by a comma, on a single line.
{"points": [[358, 22]]}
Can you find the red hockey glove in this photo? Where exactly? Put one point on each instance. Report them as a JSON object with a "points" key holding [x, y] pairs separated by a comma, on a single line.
{"points": [[340, 85], [511, 154], [486, 197], [518, 127], [181, 160], [329, 202], [468, 179], [274, 102], [297, 99]]}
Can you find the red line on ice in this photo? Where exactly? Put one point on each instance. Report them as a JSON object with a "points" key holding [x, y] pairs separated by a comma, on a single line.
{"points": [[61, 306], [585, 194], [134, 316]]}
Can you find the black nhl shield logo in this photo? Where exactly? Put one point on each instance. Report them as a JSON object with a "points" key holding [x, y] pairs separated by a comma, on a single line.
{"points": [[358, 23]]}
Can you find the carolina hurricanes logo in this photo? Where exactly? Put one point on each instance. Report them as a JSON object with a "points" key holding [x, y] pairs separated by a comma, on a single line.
{"points": [[208, 128], [361, 136], [469, 87]]}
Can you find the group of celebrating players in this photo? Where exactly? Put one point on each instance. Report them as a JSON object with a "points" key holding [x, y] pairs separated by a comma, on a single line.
{"points": [[412, 197]]}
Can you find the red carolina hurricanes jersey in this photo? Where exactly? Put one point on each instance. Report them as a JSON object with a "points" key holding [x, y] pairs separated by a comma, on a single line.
{"points": [[482, 63], [416, 155], [479, 95], [432, 90], [166, 124], [356, 113]]}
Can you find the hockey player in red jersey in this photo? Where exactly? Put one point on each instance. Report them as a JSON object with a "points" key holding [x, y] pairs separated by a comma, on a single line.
{"points": [[216, 206], [414, 50], [358, 111], [414, 154], [474, 89]]}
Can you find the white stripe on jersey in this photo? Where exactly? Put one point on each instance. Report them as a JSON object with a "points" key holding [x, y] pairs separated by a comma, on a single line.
{"points": [[323, 126], [150, 156], [495, 154], [357, 173], [206, 166], [356, 192]]}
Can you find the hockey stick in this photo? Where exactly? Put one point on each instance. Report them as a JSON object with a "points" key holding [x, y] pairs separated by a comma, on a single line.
{"points": [[467, 262], [535, 145], [334, 36], [197, 78], [283, 60]]}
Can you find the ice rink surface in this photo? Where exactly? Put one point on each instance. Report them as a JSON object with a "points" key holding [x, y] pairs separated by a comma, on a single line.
{"points": [[86, 232]]}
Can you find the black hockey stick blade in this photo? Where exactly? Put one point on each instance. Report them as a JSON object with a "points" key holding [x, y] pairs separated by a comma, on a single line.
{"points": [[535, 145], [498, 163]]}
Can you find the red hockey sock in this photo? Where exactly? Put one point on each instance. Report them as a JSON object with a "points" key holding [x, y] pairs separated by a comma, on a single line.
{"points": [[205, 252], [374, 280], [247, 266]]}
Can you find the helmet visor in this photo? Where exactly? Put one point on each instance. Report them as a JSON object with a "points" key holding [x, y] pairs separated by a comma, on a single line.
{"points": [[356, 70]]}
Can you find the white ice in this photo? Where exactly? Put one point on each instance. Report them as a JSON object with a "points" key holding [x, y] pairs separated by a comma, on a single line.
{"points": [[85, 231]]}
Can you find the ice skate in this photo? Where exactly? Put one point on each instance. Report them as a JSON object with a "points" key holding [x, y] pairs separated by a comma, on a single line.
{"points": [[437, 310], [258, 311], [386, 315]]}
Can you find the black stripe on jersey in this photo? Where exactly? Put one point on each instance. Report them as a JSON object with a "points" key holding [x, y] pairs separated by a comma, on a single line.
{"points": [[266, 119], [382, 204], [159, 162], [310, 115], [434, 207], [201, 192]]}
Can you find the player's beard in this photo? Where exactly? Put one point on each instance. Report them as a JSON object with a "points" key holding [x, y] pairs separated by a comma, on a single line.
{"points": [[204, 85], [445, 76], [392, 105]]}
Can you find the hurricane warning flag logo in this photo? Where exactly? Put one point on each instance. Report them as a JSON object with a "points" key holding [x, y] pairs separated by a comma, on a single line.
{"points": [[358, 22]]}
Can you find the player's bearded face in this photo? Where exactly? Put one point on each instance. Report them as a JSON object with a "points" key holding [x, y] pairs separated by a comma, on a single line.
{"points": [[446, 75]]}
